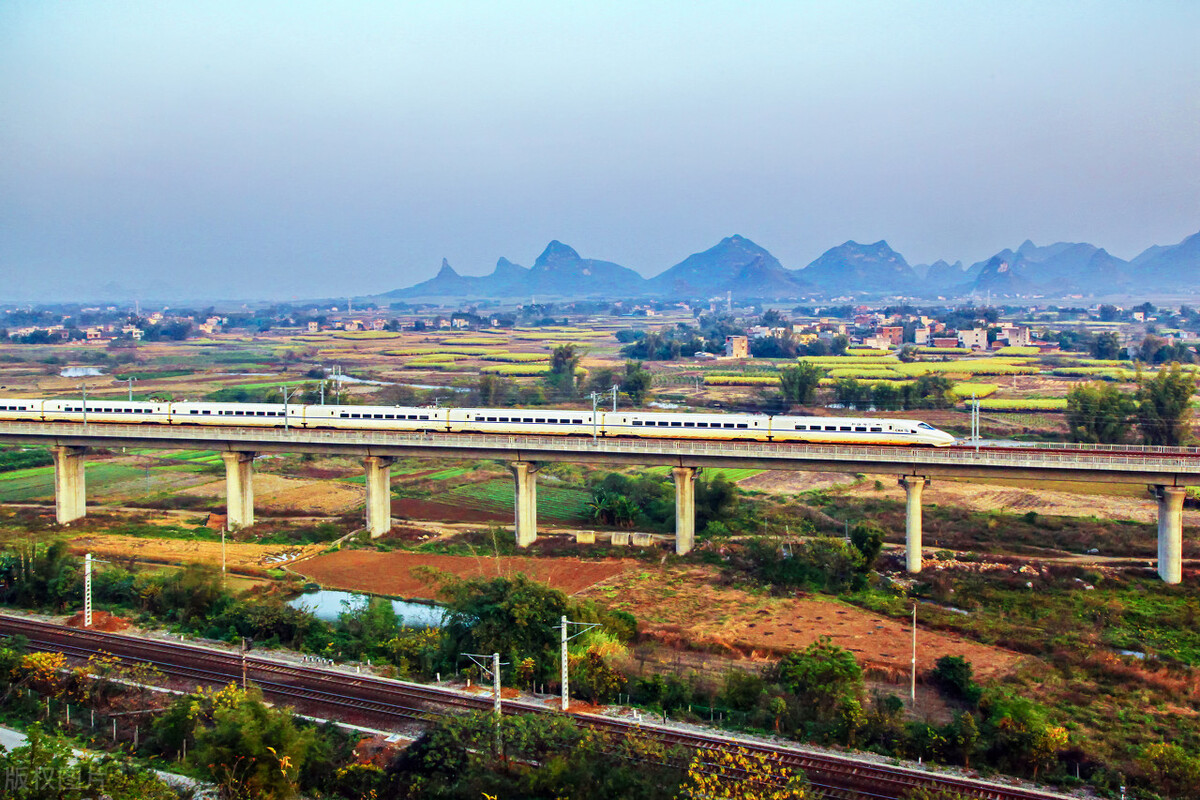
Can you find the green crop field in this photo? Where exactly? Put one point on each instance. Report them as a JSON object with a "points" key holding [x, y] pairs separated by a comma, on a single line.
{"points": [[554, 503], [729, 474]]}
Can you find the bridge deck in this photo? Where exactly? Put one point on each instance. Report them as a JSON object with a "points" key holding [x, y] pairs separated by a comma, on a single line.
{"points": [[1081, 463]]}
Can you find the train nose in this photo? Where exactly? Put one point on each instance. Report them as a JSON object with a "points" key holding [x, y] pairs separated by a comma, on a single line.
{"points": [[945, 439]]}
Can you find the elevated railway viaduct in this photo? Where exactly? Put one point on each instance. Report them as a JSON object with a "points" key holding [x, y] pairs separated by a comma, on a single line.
{"points": [[1166, 471]]}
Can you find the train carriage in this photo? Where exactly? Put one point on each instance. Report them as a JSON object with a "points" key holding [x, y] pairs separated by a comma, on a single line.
{"points": [[506, 421]]}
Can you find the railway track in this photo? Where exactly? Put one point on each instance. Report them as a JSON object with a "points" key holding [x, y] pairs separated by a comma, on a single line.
{"points": [[390, 702]]}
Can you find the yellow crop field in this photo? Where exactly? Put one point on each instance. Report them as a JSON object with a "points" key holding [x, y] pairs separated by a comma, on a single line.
{"points": [[1019, 351], [867, 352], [1044, 404], [516, 358], [740, 380], [963, 391], [517, 370], [865, 374]]}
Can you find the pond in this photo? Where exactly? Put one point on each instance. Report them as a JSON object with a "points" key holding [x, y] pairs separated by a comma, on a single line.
{"points": [[328, 604], [81, 372]]}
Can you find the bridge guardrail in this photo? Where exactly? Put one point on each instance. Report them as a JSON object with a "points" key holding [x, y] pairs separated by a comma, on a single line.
{"points": [[892, 457]]}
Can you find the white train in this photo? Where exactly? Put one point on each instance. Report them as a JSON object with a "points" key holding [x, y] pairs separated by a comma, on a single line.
{"points": [[525, 421]]}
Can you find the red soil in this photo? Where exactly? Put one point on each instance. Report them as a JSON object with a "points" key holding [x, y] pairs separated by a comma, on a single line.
{"points": [[391, 573], [101, 621]]}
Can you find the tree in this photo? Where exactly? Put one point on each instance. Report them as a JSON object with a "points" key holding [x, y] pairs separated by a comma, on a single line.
{"points": [[1173, 769], [564, 361], [494, 391], [1164, 407], [867, 538], [726, 773], [800, 382], [1099, 413], [954, 675], [827, 682], [251, 750], [514, 616], [636, 382], [1107, 346]]}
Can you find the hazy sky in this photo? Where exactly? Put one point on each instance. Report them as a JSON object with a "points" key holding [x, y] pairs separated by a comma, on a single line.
{"points": [[300, 149]]}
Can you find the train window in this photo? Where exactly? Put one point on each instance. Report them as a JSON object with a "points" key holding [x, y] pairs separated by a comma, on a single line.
{"points": [[539, 420], [876, 430], [689, 424], [742, 425], [193, 411], [845, 427], [527, 419], [676, 424], [831, 427], [206, 411], [637, 423], [860, 428], [345, 415], [577, 421], [801, 427], [701, 424]]}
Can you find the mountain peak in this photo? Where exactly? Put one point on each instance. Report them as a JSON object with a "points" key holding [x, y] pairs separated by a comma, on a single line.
{"points": [[446, 270], [557, 251]]}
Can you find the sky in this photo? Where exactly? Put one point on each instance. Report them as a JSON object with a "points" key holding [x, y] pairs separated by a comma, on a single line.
{"points": [[291, 150]]}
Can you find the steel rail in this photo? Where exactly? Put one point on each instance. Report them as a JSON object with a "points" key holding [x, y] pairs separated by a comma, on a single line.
{"points": [[833, 772]]}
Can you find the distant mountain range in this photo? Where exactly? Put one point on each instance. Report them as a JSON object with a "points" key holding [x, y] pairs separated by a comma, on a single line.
{"points": [[744, 269]]}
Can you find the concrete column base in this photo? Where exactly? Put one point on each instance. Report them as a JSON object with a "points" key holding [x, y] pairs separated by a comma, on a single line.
{"points": [[685, 509], [1170, 532], [239, 489], [379, 495], [914, 486], [70, 491], [525, 507]]}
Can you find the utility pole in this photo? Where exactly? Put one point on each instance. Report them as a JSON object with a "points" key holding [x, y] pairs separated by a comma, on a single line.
{"points": [[912, 690], [84, 387], [286, 394], [222, 554], [243, 663], [87, 587], [131, 380], [481, 661], [87, 590], [595, 396], [614, 394], [566, 637]]}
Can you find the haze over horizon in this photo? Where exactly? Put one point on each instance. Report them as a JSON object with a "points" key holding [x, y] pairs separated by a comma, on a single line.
{"points": [[300, 150]]}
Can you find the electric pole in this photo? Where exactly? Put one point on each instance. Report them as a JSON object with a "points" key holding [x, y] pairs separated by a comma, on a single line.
{"points": [[566, 637]]}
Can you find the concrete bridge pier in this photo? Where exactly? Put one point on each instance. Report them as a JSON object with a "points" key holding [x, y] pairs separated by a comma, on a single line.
{"points": [[70, 494], [239, 489], [685, 509], [1170, 532], [379, 494], [525, 507], [914, 486]]}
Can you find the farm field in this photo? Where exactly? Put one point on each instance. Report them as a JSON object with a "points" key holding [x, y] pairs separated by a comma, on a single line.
{"points": [[392, 573], [253, 559], [687, 604]]}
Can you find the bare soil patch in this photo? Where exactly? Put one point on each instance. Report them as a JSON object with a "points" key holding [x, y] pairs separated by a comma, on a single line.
{"points": [[684, 608], [391, 573], [252, 559], [787, 483], [273, 493], [979, 496], [101, 621]]}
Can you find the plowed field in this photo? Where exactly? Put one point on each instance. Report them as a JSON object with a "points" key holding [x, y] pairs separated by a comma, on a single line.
{"points": [[391, 573]]}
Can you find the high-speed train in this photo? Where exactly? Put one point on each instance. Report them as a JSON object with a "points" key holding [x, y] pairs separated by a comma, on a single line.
{"points": [[523, 421]]}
